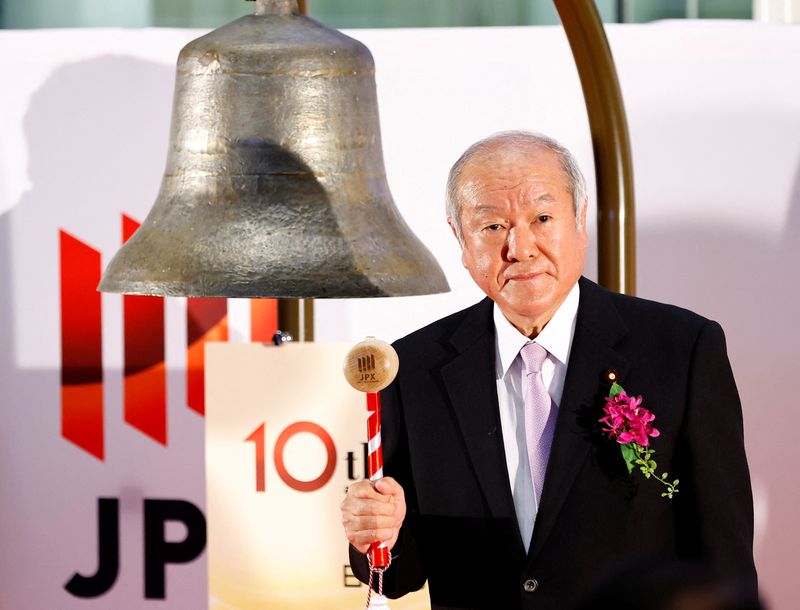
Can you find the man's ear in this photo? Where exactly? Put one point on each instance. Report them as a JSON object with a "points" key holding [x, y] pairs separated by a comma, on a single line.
{"points": [[453, 229], [584, 229], [460, 243]]}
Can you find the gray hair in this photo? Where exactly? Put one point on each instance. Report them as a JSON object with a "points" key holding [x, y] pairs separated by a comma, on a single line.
{"points": [[519, 139]]}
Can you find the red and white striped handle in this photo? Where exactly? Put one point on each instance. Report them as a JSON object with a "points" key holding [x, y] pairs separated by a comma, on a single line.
{"points": [[378, 552]]}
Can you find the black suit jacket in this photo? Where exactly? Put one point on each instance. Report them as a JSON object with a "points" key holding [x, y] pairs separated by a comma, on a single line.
{"points": [[443, 442]]}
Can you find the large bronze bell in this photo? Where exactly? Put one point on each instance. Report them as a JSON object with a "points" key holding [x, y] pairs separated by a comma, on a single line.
{"points": [[274, 184]]}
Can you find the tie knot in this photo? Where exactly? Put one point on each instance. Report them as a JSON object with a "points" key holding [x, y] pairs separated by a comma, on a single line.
{"points": [[533, 356]]}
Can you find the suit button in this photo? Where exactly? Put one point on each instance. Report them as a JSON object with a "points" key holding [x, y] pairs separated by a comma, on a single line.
{"points": [[530, 585]]}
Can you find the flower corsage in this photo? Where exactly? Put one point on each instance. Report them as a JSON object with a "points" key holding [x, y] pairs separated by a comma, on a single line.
{"points": [[631, 425]]}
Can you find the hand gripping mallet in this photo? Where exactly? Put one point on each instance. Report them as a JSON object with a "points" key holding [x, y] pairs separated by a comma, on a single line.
{"points": [[369, 367]]}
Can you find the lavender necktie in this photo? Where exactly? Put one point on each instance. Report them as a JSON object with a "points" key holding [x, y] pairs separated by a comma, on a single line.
{"points": [[539, 417]]}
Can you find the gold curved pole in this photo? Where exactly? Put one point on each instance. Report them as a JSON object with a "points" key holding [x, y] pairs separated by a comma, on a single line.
{"points": [[616, 229]]}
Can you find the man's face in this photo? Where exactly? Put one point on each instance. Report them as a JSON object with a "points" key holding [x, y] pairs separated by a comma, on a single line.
{"points": [[522, 244]]}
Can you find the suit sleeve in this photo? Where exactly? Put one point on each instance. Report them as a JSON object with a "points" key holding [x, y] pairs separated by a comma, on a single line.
{"points": [[406, 573], [717, 500]]}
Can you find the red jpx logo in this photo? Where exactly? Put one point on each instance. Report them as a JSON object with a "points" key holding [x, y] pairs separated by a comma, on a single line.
{"points": [[145, 375]]}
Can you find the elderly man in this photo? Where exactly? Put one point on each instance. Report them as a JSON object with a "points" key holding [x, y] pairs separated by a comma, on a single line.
{"points": [[503, 489]]}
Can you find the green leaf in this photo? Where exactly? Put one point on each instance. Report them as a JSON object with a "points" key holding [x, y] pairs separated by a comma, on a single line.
{"points": [[615, 389], [629, 455]]}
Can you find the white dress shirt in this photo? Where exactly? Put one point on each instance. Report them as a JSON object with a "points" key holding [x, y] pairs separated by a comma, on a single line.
{"points": [[556, 338]]}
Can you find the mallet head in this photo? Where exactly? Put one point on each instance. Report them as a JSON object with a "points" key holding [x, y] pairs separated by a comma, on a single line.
{"points": [[371, 365]]}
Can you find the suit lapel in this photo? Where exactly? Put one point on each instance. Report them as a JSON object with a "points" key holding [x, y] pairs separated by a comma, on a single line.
{"points": [[598, 329], [470, 382]]}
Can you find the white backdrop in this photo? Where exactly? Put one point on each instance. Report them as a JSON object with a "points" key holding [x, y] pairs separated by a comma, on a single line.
{"points": [[714, 115]]}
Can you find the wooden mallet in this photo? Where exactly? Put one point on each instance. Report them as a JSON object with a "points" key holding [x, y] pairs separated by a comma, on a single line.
{"points": [[369, 367]]}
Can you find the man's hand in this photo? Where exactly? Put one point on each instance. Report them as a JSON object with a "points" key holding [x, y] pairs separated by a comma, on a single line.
{"points": [[373, 512]]}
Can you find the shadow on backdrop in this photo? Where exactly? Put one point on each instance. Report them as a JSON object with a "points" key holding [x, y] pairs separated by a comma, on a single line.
{"points": [[87, 142], [749, 283]]}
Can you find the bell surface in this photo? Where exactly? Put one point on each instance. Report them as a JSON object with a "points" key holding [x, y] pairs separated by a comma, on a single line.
{"points": [[274, 184]]}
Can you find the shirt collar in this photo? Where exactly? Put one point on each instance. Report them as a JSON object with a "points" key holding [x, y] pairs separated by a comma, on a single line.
{"points": [[556, 336]]}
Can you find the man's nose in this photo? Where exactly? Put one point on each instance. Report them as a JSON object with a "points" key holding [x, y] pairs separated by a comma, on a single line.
{"points": [[521, 244]]}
